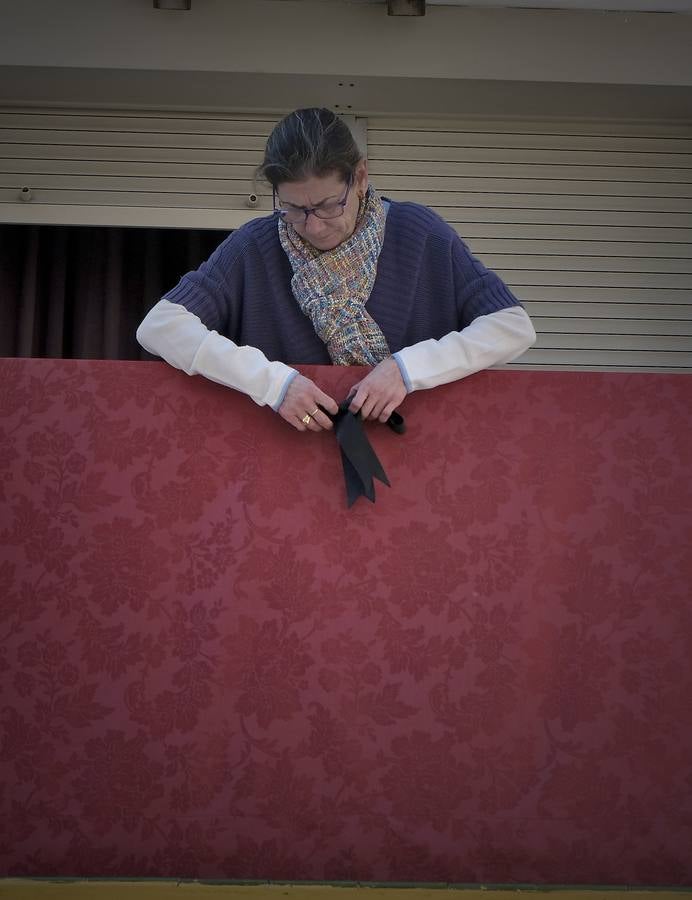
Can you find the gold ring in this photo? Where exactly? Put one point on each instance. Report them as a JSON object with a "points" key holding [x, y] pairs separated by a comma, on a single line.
{"points": [[316, 409], [307, 418]]}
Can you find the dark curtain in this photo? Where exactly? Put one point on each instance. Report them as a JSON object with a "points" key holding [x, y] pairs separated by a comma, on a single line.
{"points": [[80, 292]]}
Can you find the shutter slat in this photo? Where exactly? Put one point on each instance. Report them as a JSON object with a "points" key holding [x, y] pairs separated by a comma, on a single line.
{"points": [[535, 174], [432, 154], [125, 215], [623, 280], [606, 342], [245, 159], [596, 230], [447, 203], [147, 122], [648, 315], [228, 200], [143, 182], [602, 136], [593, 249], [606, 188], [250, 148], [586, 325], [606, 294], [548, 262], [620, 358], [559, 216], [110, 139]]}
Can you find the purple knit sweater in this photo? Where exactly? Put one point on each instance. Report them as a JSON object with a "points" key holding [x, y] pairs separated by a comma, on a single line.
{"points": [[427, 285]]}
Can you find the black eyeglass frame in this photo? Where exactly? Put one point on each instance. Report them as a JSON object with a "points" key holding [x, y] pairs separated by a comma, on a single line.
{"points": [[313, 210]]}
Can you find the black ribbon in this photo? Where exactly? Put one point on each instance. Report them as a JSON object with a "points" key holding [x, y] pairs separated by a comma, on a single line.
{"points": [[360, 462]]}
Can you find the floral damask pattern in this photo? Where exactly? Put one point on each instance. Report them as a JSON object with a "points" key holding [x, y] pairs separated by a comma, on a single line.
{"points": [[211, 668]]}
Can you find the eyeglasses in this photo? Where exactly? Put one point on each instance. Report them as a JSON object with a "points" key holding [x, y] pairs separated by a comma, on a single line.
{"points": [[330, 209]]}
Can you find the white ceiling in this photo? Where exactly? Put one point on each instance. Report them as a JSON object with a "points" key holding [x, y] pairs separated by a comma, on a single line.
{"points": [[624, 5], [662, 6]]}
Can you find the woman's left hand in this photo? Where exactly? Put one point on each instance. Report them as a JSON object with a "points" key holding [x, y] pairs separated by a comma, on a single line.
{"points": [[380, 392]]}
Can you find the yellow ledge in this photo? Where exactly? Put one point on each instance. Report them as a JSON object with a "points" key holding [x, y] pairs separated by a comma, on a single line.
{"points": [[30, 889]]}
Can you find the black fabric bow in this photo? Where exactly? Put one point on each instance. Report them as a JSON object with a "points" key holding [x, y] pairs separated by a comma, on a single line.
{"points": [[360, 462]]}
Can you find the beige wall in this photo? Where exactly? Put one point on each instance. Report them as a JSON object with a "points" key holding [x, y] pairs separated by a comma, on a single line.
{"points": [[333, 38], [227, 54]]}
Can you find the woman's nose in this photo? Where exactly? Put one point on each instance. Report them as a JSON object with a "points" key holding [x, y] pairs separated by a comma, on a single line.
{"points": [[313, 225]]}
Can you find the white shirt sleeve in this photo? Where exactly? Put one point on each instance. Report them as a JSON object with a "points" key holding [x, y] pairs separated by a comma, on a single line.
{"points": [[183, 340], [489, 340]]}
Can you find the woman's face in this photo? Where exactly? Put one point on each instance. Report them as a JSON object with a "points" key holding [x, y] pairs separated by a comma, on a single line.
{"points": [[325, 234]]}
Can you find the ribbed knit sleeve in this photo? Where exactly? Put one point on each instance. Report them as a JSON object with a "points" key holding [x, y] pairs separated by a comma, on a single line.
{"points": [[479, 291], [213, 292]]}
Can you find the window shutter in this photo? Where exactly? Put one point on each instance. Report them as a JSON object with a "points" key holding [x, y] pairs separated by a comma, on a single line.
{"points": [[589, 224], [146, 168]]}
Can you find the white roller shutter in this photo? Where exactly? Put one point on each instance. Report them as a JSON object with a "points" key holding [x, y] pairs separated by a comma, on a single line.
{"points": [[591, 226], [113, 167]]}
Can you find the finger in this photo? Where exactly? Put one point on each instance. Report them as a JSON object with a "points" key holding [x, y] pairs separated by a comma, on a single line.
{"points": [[305, 421], [368, 407], [353, 390], [314, 425], [314, 421], [358, 400], [287, 417], [324, 400], [378, 408], [387, 411], [323, 420]]}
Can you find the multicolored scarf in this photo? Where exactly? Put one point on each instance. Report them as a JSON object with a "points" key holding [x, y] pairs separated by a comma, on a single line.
{"points": [[332, 287]]}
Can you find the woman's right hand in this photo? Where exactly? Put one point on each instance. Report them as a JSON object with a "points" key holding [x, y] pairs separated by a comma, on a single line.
{"points": [[302, 399]]}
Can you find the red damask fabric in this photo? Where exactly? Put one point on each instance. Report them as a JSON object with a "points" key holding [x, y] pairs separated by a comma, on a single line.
{"points": [[211, 668]]}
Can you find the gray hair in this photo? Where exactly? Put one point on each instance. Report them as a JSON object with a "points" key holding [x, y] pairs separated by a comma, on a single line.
{"points": [[309, 142]]}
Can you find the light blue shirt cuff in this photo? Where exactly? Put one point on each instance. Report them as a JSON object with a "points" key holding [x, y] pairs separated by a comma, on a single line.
{"points": [[404, 374], [282, 395]]}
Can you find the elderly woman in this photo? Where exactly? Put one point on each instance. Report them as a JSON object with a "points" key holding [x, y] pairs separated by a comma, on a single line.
{"points": [[337, 275]]}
